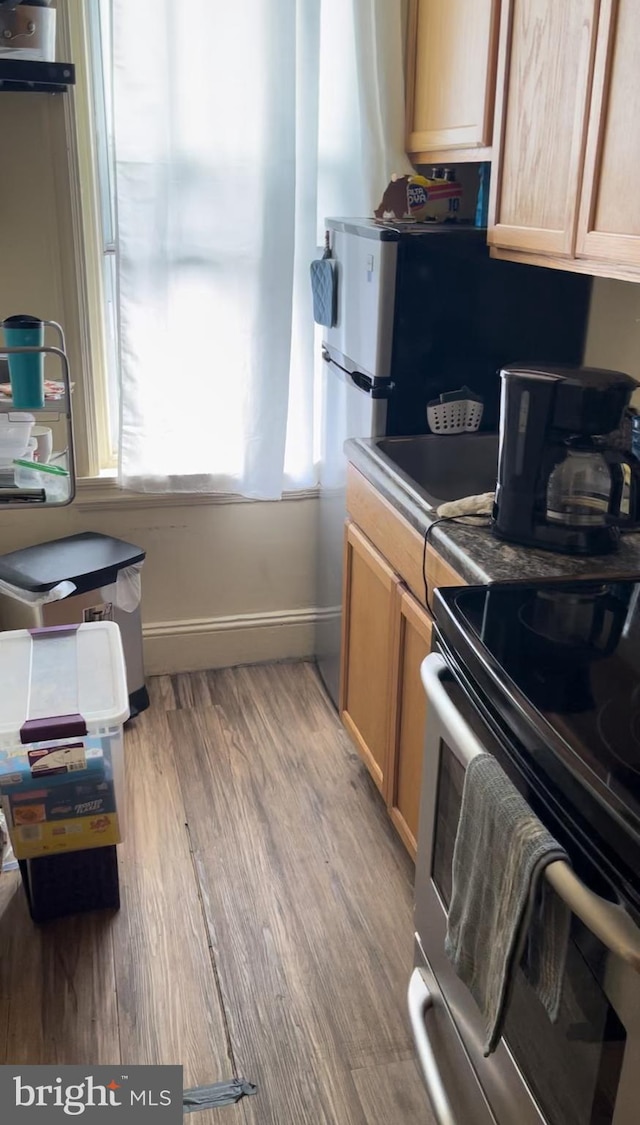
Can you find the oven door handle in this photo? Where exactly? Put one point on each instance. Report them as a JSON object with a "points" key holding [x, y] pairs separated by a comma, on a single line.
{"points": [[420, 1001], [606, 920]]}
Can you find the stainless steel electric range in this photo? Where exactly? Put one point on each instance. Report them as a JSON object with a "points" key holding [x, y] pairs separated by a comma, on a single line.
{"points": [[547, 678]]}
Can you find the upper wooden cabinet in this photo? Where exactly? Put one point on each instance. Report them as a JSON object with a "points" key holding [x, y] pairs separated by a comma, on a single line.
{"points": [[566, 137], [609, 219], [542, 104], [451, 71]]}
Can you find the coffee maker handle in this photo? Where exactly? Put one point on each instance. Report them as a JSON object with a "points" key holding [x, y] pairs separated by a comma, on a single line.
{"points": [[617, 461]]}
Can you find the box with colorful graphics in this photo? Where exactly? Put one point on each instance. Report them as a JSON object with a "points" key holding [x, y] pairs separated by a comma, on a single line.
{"points": [[64, 818], [421, 199], [31, 841], [53, 764], [66, 802]]}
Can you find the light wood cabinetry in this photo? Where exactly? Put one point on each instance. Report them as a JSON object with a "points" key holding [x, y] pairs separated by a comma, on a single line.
{"points": [[609, 219], [566, 140], [399, 542], [369, 598], [408, 713], [386, 636], [451, 70], [546, 52]]}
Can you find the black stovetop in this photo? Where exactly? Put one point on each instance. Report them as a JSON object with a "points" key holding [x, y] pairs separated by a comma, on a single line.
{"points": [[558, 665]]}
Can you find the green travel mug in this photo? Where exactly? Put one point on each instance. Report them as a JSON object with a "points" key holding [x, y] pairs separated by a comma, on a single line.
{"points": [[26, 372]]}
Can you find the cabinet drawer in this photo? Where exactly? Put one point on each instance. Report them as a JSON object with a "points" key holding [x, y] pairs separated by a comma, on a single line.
{"points": [[398, 542]]}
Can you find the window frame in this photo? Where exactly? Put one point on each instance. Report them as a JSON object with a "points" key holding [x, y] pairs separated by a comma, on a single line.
{"points": [[95, 454]]}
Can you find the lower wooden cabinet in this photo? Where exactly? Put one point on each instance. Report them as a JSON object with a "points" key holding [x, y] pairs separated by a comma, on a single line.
{"points": [[369, 600], [386, 634], [408, 714]]}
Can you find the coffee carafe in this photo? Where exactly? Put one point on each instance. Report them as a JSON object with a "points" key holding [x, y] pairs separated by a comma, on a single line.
{"points": [[561, 483]]}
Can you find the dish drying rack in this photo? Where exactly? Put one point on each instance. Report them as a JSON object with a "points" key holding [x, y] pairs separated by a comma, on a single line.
{"points": [[455, 412]]}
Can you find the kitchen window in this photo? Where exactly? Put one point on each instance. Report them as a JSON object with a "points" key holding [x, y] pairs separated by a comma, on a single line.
{"points": [[230, 149], [214, 306]]}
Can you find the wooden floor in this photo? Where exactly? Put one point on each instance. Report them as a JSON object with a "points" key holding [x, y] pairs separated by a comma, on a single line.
{"points": [[266, 922]]}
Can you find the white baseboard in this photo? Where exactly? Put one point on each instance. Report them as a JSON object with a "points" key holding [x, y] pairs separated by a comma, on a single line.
{"points": [[221, 642]]}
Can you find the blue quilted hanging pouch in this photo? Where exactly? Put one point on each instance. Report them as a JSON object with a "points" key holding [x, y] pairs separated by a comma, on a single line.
{"points": [[324, 287]]}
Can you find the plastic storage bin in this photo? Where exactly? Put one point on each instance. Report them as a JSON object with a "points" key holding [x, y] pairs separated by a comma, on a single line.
{"points": [[86, 577], [56, 485], [62, 711]]}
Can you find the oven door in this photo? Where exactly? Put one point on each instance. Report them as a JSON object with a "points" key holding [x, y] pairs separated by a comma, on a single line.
{"points": [[582, 1070]]}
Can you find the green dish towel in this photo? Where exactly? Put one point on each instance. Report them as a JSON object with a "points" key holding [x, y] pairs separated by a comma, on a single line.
{"points": [[501, 905]]}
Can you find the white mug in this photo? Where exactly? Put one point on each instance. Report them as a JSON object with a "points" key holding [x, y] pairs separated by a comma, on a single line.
{"points": [[44, 448]]}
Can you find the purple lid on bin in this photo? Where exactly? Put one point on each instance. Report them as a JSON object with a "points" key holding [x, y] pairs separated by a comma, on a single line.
{"points": [[54, 630], [56, 726]]}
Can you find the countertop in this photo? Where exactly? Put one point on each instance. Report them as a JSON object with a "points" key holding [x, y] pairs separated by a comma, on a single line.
{"points": [[474, 552]]}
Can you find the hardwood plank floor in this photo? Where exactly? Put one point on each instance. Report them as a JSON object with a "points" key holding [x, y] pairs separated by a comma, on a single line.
{"points": [[160, 941], [57, 986], [266, 922], [392, 1092]]}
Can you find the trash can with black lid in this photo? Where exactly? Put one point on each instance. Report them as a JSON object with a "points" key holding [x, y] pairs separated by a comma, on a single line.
{"points": [[85, 577]]}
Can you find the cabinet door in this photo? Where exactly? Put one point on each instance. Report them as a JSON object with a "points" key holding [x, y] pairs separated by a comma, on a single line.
{"points": [[451, 72], [369, 601], [609, 224], [409, 709], [544, 81]]}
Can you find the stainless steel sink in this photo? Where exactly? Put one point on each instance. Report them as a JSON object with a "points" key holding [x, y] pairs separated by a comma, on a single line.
{"points": [[443, 468]]}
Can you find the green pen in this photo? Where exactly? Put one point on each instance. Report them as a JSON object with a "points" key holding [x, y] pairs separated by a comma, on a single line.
{"points": [[55, 470]]}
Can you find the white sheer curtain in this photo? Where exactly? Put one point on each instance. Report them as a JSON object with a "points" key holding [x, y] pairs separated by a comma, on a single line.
{"points": [[238, 127]]}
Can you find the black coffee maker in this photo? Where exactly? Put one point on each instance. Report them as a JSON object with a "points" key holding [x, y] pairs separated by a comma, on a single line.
{"points": [[560, 482]]}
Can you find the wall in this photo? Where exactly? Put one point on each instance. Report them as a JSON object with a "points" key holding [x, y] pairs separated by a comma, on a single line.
{"points": [[223, 583], [613, 339]]}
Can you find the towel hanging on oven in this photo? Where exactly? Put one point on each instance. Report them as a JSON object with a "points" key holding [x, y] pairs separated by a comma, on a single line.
{"points": [[502, 906], [324, 287]]}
